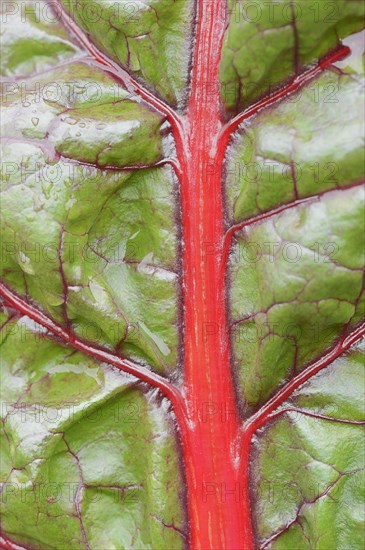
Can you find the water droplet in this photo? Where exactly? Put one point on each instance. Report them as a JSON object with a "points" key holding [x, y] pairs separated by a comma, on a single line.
{"points": [[71, 121], [25, 264], [26, 104]]}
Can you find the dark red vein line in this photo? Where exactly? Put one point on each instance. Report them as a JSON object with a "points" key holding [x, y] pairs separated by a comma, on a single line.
{"points": [[294, 85], [298, 516], [274, 212], [108, 65], [109, 168], [316, 415], [296, 37], [262, 416], [126, 365]]}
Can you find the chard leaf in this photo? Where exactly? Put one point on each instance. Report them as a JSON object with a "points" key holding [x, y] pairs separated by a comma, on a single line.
{"points": [[182, 269]]}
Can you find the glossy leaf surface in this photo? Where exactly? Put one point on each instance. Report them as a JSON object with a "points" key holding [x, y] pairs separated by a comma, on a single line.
{"points": [[266, 42], [87, 453], [182, 275], [324, 482]]}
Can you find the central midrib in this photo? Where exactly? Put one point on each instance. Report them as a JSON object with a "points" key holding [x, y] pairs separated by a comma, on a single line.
{"points": [[209, 451]]}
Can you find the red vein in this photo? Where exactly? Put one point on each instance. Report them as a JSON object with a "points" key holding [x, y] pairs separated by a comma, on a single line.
{"points": [[7, 544], [126, 365], [316, 415], [79, 491], [207, 370], [274, 212], [294, 85], [260, 418], [297, 520], [204, 289], [108, 65], [109, 168]]}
